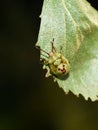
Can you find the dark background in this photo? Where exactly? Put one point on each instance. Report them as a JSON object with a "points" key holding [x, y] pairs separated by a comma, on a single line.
{"points": [[29, 101]]}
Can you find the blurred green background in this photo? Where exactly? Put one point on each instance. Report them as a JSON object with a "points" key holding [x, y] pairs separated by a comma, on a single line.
{"points": [[29, 101]]}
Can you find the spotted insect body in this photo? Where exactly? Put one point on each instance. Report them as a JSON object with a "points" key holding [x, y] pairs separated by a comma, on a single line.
{"points": [[56, 64]]}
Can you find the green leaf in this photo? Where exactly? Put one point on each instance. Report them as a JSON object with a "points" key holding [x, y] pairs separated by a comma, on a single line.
{"points": [[74, 25]]}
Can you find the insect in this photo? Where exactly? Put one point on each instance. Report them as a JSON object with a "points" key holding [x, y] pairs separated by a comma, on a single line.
{"points": [[55, 63]]}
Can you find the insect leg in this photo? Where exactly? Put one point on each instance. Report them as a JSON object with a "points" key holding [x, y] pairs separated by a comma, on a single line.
{"points": [[37, 47], [52, 44], [60, 49]]}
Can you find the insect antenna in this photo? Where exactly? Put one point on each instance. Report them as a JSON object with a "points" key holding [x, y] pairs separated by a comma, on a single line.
{"points": [[60, 49], [53, 48], [44, 55], [37, 47]]}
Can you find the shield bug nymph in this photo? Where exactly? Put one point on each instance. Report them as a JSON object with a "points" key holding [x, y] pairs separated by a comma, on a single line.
{"points": [[55, 63]]}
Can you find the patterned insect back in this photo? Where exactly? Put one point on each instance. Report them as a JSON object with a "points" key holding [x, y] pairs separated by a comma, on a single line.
{"points": [[56, 64]]}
